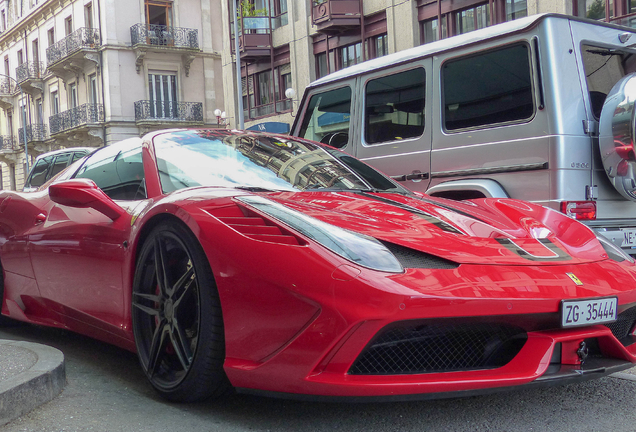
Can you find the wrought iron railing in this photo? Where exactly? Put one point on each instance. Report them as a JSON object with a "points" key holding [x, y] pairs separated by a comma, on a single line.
{"points": [[160, 35], [280, 106], [82, 38], [34, 132], [169, 111], [29, 70], [7, 86], [78, 116], [7, 143]]}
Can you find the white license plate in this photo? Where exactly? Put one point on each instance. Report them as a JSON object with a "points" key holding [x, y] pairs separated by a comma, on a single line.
{"points": [[629, 237], [585, 312]]}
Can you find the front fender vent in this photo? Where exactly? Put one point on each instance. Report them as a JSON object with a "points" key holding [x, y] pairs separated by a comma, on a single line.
{"points": [[254, 226], [411, 258]]}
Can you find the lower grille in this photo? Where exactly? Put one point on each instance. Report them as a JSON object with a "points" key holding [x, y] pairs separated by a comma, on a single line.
{"points": [[414, 349], [623, 324]]}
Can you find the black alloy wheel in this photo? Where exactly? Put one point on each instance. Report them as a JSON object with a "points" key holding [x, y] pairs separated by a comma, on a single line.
{"points": [[177, 318]]}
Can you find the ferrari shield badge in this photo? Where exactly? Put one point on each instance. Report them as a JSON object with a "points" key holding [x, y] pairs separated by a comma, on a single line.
{"points": [[576, 280]]}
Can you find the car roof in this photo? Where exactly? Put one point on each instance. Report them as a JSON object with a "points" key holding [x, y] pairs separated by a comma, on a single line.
{"points": [[459, 41], [66, 150]]}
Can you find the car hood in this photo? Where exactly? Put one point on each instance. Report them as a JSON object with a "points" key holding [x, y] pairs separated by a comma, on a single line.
{"points": [[485, 231]]}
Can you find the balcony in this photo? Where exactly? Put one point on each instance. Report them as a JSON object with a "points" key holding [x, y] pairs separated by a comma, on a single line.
{"points": [[74, 53], [256, 112], [29, 75], [34, 133], [7, 143], [168, 113], [7, 91], [82, 124], [163, 36], [160, 38], [336, 16], [255, 38]]}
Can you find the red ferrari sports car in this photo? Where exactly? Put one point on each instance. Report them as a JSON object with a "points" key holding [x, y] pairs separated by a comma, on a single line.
{"points": [[275, 265]]}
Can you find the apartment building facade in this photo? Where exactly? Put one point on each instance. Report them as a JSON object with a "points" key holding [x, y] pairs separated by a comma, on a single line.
{"points": [[290, 43], [93, 72]]}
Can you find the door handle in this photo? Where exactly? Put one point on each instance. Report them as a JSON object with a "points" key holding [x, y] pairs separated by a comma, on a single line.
{"points": [[41, 218], [415, 175]]}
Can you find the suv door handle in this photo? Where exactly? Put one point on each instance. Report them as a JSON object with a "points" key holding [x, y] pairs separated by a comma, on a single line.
{"points": [[412, 176]]}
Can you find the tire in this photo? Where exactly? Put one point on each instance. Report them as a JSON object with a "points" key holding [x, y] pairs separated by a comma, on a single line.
{"points": [[177, 323], [5, 321]]}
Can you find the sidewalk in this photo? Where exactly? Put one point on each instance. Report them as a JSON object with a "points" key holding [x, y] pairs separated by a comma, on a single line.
{"points": [[30, 375]]}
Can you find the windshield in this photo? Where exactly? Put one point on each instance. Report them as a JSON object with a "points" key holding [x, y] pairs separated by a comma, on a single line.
{"points": [[259, 161]]}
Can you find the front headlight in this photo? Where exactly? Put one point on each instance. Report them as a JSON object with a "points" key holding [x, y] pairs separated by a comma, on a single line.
{"points": [[361, 249], [613, 251]]}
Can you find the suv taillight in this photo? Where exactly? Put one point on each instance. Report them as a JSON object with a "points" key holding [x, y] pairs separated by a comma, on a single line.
{"points": [[579, 210]]}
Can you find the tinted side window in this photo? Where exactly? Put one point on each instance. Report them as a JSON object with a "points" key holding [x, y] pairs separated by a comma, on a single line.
{"points": [[38, 175], [117, 171], [394, 107], [61, 162], [327, 117], [77, 156], [488, 89]]}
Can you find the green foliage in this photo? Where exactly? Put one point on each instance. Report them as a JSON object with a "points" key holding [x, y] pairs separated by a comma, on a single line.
{"points": [[248, 9], [596, 10]]}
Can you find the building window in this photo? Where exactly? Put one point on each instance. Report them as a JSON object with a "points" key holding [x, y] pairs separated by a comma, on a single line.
{"points": [[162, 88], [3, 18], [504, 95], [594, 9], [20, 57], [72, 95], [68, 26], [321, 65], [88, 15], [261, 98], [430, 30], [6, 65], [50, 35], [517, 9], [92, 89], [350, 55], [472, 19], [55, 103], [39, 114], [159, 12], [35, 45], [279, 14], [377, 46]]}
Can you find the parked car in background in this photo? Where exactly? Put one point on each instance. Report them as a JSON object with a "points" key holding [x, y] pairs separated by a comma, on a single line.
{"points": [[276, 265], [49, 164], [538, 109]]}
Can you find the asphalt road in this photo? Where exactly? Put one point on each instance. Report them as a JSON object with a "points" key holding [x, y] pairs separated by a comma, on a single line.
{"points": [[107, 391]]}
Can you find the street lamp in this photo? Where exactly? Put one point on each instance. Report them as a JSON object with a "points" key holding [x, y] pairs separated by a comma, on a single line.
{"points": [[24, 135], [221, 116]]}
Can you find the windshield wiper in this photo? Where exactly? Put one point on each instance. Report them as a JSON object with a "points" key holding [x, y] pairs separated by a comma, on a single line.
{"points": [[255, 189]]}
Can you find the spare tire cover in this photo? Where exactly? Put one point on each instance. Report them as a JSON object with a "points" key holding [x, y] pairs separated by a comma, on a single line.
{"points": [[616, 136]]}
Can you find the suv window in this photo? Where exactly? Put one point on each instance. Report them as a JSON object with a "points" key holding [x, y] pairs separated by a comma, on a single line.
{"points": [[603, 68], [61, 162], [117, 170], [327, 117], [394, 107], [504, 93]]}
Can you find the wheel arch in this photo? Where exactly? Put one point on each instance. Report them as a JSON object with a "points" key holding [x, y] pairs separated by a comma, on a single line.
{"points": [[468, 189]]}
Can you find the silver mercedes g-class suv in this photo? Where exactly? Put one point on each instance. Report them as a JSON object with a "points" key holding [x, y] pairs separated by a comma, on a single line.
{"points": [[540, 109]]}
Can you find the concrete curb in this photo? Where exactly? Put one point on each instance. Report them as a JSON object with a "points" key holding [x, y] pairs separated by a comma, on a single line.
{"points": [[35, 386]]}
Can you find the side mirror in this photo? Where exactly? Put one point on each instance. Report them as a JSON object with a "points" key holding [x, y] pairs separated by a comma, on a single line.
{"points": [[84, 193]]}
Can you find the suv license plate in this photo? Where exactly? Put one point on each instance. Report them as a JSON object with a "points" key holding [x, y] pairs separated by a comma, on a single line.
{"points": [[629, 237], [585, 312]]}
